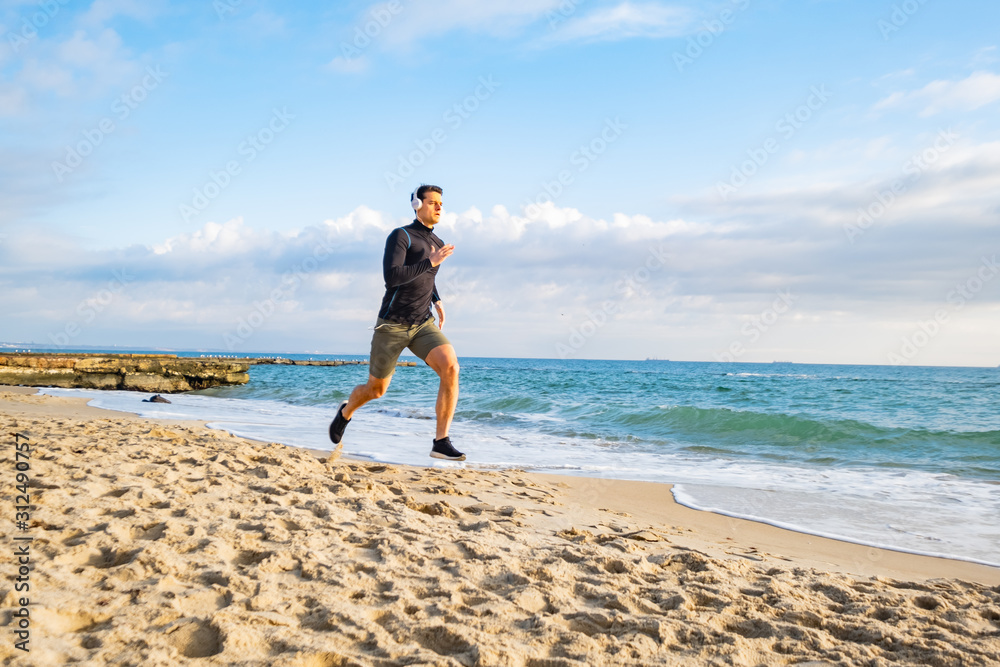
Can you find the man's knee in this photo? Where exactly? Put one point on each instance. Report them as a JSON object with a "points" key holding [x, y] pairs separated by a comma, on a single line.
{"points": [[450, 368], [378, 386], [444, 362]]}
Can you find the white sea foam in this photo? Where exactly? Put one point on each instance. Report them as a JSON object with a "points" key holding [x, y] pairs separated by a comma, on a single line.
{"points": [[906, 510]]}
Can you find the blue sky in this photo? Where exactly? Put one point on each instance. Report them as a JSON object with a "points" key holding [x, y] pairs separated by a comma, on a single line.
{"points": [[814, 181]]}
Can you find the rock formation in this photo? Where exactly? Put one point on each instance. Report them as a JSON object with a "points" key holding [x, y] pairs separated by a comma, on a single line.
{"points": [[150, 373]]}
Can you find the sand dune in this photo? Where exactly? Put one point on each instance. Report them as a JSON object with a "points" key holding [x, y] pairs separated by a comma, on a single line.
{"points": [[172, 544]]}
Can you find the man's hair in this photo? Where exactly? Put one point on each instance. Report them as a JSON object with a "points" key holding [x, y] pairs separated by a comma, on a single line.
{"points": [[424, 189]]}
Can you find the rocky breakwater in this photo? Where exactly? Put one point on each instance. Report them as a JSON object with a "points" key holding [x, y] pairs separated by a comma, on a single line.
{"points": [[281, 361], [160, 373]]}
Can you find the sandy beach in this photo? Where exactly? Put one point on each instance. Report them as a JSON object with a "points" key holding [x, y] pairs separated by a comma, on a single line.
{"points": [[168, 543]]}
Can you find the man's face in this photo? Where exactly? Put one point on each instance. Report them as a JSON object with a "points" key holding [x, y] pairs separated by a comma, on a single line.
{"points": [[429, 212]]}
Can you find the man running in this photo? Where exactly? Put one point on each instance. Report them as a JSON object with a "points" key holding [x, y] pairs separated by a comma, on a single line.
{"points": [[412, 257]]}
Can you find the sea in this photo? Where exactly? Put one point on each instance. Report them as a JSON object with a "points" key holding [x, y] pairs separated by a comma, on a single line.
{"points": [[898, 457]]}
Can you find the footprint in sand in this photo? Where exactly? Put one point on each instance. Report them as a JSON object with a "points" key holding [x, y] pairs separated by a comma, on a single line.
{"points": [[195, 638], [109, 558]]}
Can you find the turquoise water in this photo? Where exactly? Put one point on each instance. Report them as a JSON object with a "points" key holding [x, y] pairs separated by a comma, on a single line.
{"points": [[901, 457]]}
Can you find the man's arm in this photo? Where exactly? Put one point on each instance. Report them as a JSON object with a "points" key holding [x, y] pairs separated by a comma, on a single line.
{"points": [[439, 306], [394, 270]]}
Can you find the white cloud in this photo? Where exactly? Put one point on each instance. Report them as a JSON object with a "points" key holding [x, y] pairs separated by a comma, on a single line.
{"points": [[625, 21], [103, 11], [6, 45], [359, 224], [82, 66], [877, 147], [974, 92], [432, 18], [681, 288], [893, 100], [13, 100], [900, 74], [49, 77], [985, 56], [560, 20], [226, 239]]}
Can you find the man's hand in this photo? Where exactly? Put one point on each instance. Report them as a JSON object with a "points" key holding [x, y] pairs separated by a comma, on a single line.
{"points": [[440, 308], [441, 254]]}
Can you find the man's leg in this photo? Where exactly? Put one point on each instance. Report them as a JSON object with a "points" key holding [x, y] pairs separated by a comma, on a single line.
{"points": [[445, 363], [387, 343], [374, 388]]}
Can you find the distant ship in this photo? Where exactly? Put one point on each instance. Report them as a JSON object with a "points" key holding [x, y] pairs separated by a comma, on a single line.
{"points": [[655, 359]]}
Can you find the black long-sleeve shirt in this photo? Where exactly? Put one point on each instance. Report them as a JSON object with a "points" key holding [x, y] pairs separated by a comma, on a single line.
{"points": [[409, 276]]}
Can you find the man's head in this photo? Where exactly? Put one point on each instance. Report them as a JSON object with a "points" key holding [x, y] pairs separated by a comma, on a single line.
{"points": [[426, 201]]}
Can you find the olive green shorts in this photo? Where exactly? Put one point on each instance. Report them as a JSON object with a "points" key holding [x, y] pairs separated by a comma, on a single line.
{"points": [[390, 338]]}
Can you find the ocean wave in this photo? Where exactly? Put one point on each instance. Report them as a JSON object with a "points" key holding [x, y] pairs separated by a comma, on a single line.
{"points": [[747, 432], [405, 413]]}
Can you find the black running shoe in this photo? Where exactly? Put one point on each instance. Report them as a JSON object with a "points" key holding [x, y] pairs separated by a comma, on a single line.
{"points": [[442, 449], [338, 425]]}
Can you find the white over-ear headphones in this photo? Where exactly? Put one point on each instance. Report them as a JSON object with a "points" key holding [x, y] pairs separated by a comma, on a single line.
{"points": [[414, 202]]}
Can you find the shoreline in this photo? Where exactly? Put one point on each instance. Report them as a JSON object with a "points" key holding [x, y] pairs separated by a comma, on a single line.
{"points": [[654, 502], [871, 495], [163, 542]]}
